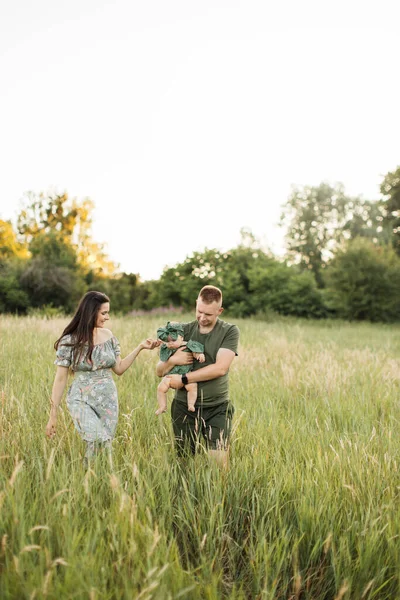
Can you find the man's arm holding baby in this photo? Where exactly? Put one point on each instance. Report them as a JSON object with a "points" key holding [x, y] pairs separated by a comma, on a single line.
{"points": [[217, 369], [180, 357]]}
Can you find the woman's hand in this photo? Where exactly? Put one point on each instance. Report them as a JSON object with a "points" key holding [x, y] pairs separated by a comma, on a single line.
{"points": [[121, 365], [51, 426], [150, 344]]}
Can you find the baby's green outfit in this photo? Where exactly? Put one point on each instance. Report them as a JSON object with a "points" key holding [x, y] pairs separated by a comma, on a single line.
{"points": [[173, 330]]}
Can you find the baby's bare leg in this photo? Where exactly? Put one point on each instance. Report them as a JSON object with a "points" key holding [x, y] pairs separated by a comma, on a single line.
{"points": [[162, 390], [191, 389]]}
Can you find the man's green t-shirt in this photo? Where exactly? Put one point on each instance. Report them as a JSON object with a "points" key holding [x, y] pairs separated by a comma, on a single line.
{"points": [[223, 335]]}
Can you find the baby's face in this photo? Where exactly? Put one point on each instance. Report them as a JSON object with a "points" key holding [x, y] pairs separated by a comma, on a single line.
{"points": [[174, 343]]}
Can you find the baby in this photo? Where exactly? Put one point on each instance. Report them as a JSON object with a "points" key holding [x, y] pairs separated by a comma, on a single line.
{"points": [[172, 336]]}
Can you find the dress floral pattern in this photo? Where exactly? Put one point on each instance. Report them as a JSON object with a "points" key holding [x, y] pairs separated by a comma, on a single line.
{"points": [[92, 398]]}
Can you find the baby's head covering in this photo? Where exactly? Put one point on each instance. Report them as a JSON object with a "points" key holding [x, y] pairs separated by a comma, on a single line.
{"points": [[172, 330]]}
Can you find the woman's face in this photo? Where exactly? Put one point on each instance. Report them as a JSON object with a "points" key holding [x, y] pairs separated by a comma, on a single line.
{"points": [[103, 315]]}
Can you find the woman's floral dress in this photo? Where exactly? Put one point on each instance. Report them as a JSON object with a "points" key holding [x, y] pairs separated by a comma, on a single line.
{"points": [[92, 399]]}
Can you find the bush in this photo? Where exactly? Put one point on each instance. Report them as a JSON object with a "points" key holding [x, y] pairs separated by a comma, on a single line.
{"points": [[363, 282], [285, 290], [49, 284], [12, 297]]}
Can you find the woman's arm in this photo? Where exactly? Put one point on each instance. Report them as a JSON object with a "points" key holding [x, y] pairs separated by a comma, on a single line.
{"points": [[60, 381], [122, 364], [180, 357]]}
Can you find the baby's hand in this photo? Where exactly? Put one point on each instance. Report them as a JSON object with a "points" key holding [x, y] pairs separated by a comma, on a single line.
{"points": [[199, 356]]}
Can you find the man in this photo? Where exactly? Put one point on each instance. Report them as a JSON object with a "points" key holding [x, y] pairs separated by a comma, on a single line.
{"points": [[213, 414]]}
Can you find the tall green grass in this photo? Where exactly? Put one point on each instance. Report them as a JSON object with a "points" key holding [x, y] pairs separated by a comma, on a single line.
{"points": [[309, 508]]}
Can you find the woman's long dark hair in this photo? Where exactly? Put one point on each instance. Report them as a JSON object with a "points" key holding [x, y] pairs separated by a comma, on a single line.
{"points": [[82, 325]]}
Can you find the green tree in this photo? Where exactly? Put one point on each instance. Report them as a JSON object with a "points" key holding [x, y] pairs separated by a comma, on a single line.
{"points": [[9, 244], [251, 279], [228, 270], [148, 296], [180, 285], [238, 272], [12, 297], [363, 282], [285, 290], [52, 276], [390, 189], [122, 290], [50, 212], [320, 219], [52, 248]]}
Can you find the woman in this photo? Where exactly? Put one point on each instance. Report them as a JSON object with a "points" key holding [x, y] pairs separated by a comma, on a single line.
{"points": [[91, 351]]}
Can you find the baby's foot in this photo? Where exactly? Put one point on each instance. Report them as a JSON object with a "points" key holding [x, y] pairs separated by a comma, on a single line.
{"points": [[162, 408], [191, 407]]}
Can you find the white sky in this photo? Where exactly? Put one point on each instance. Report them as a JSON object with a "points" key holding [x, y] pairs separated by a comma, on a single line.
{"points": [[185, 121]]}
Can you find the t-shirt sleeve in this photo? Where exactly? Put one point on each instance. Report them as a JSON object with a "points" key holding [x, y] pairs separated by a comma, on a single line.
{"points": [[231, 339], [64, 353], [116, 346]]}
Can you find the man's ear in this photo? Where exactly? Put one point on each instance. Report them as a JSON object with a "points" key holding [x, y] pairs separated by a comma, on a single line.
{"points": [[220, 310]]}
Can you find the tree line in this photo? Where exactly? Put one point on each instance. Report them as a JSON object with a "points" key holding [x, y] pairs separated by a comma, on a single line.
{"points": [[342, 260]]}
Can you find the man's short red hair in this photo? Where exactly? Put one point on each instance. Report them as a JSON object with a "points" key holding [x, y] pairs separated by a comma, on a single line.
{"points": [[210, 293]]}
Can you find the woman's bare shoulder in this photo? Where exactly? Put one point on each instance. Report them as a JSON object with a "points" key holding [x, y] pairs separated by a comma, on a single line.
{"points": [[103, 336]]}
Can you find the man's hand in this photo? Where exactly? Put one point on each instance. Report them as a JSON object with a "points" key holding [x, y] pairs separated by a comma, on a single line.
{"points": [[181, 357], [175, 382]]}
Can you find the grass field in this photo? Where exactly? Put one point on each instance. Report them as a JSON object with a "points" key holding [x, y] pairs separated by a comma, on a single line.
{"points": [[310, 507]]}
